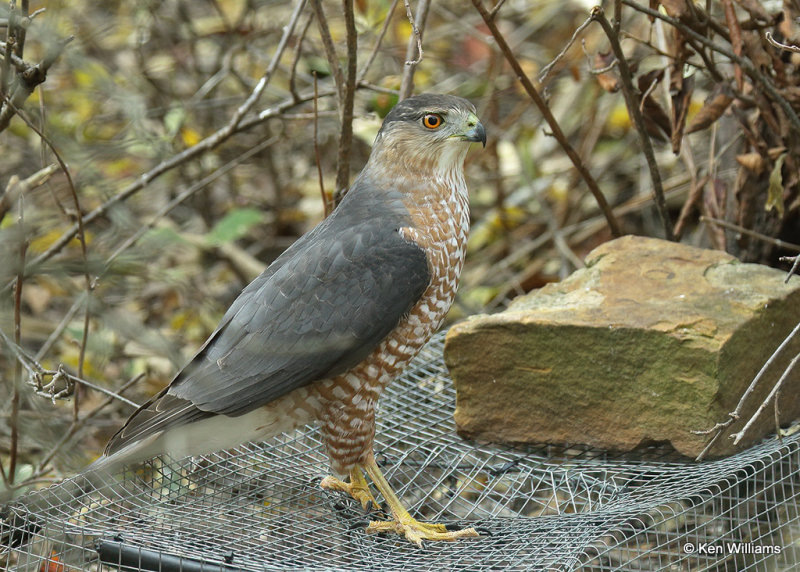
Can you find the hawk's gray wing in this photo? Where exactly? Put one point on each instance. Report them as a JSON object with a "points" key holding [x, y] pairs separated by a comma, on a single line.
{"points": [[318, 310]]}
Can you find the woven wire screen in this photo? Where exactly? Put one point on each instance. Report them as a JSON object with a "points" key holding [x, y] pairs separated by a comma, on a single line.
{"points": [[259, 507]]}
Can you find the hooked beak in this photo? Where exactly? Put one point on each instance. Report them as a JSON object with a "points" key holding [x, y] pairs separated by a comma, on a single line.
{"points": [[475, 131]]}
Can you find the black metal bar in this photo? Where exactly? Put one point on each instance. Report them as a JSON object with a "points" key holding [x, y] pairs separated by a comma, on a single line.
{"points": [[130, 558]]}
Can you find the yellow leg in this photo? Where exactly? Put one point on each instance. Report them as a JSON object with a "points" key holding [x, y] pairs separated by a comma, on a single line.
{"points": [[403, 522], [356, 488]]}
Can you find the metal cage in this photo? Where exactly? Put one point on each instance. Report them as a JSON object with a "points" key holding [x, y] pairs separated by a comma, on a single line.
{"points": [[259, 507]]}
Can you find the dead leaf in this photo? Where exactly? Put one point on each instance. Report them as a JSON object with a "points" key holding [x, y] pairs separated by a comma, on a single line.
{"points": [[753, 162], [775, 190], [656, 120], [609, 80], [712, 109], [755, 9], [736, 39], [776, 152], [36, 297], [675, 8]]}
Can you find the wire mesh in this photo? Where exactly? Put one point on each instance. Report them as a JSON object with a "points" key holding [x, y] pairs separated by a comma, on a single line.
{"points": [[259, 507]]}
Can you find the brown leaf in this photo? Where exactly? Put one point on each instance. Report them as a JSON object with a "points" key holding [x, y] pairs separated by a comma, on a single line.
{"points": [[656, 120], [755, 9], [609, 80], [752, 162], [776, 152], [646, 81], [736, 38], [712, 109], [675, 8]]}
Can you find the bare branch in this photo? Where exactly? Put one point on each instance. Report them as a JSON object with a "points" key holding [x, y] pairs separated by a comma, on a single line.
{"points": [[328, 48], [795, 260], [598, 15], [326, 204], [738, 436], [736, 413], [362, 74], [348, 97], [16, 187], [757, 235], [546, 70], [297, 53], [747, 66], [780, 46], [81, 234], [551, 120], [414, 45], [207, 144], [26, 81]]}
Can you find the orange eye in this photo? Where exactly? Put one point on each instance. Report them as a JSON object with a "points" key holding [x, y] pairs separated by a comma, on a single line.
{"points": [[432, 120]]}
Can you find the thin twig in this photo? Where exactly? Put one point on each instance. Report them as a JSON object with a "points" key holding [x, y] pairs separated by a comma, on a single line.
{"points": [[496, 8], [81, 234], [297, 53], [747, 232], [36, 372], [346, 104], [328, 47], [17, 187], [415, 31], [21, 31], [749, 68], [780, 46], [326, 206], [191, 190], [795, 260], [551, 120], [629, 92], [414, 45], [545, 73], [288, 32], [362, 74], [73, 429], [207, 144], [59, 329], [734, 415], [27, 80], [738, 436], [13, 420]]}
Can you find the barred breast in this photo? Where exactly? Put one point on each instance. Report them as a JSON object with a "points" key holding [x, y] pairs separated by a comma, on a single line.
{"points": [[440, 225]]}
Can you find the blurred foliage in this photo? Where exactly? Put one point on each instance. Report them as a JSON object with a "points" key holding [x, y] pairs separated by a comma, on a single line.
{"points": [[144, 81]]}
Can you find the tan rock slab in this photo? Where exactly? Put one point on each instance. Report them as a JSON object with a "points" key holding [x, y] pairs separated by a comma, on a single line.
{"points": [[648, 342]]}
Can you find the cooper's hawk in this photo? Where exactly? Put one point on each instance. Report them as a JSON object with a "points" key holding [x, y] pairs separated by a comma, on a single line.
{"points": [[336, 317]]}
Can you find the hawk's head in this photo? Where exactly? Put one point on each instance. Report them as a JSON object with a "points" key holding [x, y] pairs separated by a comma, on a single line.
{"points": [[429, 132]]}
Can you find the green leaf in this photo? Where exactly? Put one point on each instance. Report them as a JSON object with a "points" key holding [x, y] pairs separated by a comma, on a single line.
{"points": [[234, 225], [775, 191], [173, 120]]}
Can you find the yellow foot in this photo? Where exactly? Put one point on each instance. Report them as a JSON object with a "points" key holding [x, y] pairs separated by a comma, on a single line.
{"points": [[356, 488], [416, 531], [402, 522]]}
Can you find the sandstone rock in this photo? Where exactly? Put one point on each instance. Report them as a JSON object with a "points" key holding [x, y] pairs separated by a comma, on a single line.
{"points": [[648, 342]]}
